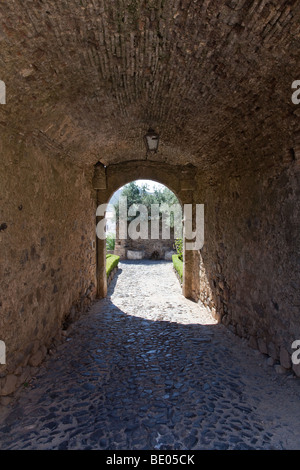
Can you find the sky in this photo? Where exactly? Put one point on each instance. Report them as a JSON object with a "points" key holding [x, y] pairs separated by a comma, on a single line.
{"points": [[151, 184]]}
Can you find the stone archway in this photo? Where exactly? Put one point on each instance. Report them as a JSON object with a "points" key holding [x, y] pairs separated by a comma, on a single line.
{"points": [[179, 179]]}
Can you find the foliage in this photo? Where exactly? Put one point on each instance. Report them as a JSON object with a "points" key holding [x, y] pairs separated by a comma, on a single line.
{"points": [[110, 241], [179, 248], [133, 193], [141, 195], [111, 262], [178, 265]]}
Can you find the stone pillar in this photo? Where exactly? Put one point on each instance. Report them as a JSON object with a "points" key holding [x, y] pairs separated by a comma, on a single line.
{"points": [[187, 283], [191, 258], [99, 183], [101, 267], [191, 264]]}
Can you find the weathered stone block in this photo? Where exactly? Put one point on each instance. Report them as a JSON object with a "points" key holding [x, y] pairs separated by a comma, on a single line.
{"points": [[10, 385], [25, 374], [285, 358], [168, 255], [272, 350], [296, 369], [36, 359], [135, 254], [187, 185], [270, 361], [262, 346], [253, 342], [279, 369], [99, 179]]}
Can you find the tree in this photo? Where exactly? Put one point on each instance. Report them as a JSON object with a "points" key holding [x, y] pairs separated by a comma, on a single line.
{"points": [[141, 195], [133, 193]]}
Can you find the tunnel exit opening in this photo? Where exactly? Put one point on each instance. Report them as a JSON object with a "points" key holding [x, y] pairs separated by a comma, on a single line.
{"points": [[144, 221], [179, 180]]}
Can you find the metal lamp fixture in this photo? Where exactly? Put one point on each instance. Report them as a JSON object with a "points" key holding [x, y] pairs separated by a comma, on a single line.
{"points": [[151, 140]]}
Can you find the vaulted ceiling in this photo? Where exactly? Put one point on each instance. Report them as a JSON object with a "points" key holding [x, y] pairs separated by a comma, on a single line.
{"points": [[213, 77]]}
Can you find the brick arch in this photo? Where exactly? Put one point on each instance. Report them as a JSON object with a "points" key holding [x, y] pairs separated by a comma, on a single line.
{"points": [[132, 179], [174, 177], [179, 179]]}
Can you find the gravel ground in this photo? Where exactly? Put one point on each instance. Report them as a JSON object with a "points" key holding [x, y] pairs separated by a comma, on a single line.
{"points": [[146, 368]]}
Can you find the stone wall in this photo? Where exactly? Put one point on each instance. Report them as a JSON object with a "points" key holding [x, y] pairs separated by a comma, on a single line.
{"points": [[47, 256], [214, 80], [249, 269], [147, 248]]}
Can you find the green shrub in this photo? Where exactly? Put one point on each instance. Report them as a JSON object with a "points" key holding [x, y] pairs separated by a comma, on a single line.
{"points": [[111, 262], [178, 265], [110, 241], [179, 247]]}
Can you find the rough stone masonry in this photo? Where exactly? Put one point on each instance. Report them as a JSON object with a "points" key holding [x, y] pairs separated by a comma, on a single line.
{"points": [[85, 79]]}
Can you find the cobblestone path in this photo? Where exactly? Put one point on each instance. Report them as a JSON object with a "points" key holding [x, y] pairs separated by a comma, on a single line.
{"points": [[147, 369]]}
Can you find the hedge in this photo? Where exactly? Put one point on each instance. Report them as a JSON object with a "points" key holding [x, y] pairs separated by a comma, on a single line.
{"points": [[178, 265], [111, 262]]}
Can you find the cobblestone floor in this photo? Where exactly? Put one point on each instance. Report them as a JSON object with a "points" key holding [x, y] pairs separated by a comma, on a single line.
{"points": [[147, 369]]}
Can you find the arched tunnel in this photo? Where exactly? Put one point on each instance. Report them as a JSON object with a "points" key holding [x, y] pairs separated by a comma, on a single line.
{"points": [[84, 81]]}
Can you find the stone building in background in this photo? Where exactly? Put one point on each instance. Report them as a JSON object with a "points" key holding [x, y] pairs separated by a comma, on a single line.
{"points": [[145, 248]]}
